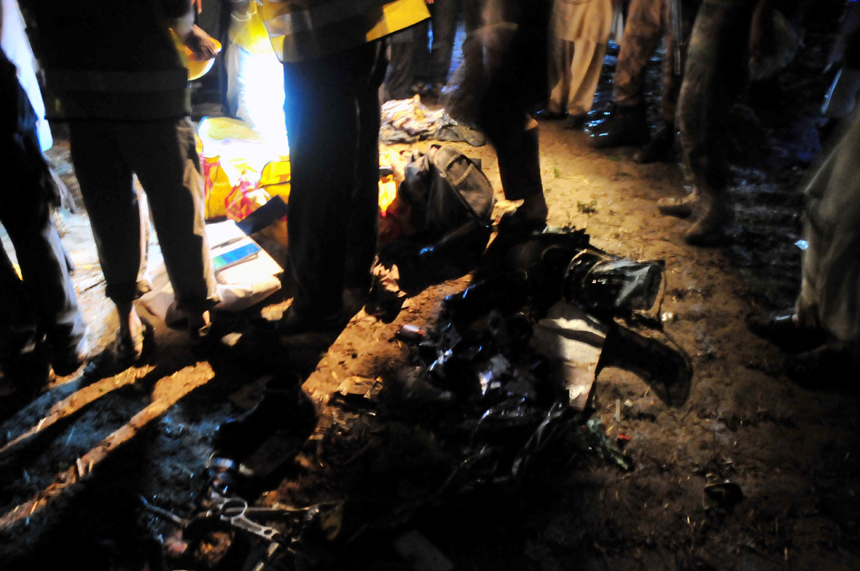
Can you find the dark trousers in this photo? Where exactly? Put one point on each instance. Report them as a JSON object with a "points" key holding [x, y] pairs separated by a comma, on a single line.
{"points": [[332, 116], [445, 17], [400, 75], [516, 64], [162, 154], [713, 79], [44, 303], [412, 61], [649, 21]]}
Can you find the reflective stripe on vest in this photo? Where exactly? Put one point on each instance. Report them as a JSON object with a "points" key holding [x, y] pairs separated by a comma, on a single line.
{"points": [[316, 28]]}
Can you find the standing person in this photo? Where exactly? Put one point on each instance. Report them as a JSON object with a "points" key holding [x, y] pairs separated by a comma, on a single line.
{"points": [[400, 77], [579, 34], [824, 324], [40, 311], [459, 101], [514, 40], [334, 63], [648, 22], [446, 15], [114, 74], [715, 73]]}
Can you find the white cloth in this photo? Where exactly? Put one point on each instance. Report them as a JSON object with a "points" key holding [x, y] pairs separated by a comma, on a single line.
{"points": [[579, 32], [575, 20], [574, 73], [16, 46], [830, 291]]}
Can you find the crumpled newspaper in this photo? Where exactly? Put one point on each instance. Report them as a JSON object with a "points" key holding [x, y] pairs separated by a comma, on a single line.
{"points": [[409, 120]]}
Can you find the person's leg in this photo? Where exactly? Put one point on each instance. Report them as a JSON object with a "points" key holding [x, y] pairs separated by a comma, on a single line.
{"points": [[445, 18], [42, 259], [23, 359], [829, 295], [642, 34], [364, 211], [627, 123], [400, 77], [463, 97], [164, 157], [662, 143], [517, 82], [561, 56], [323, 124], [672, 80], [107, 188], [585, 71], [17, 320], [421, 50], [713, 77]]}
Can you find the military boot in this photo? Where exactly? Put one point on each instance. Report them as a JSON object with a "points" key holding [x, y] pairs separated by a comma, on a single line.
{"points": [[679, 206], [711, 215], [625, 127], [284, 407]]}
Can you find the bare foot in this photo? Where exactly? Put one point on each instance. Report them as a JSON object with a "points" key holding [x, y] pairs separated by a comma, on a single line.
{"points": [[129, 320]]}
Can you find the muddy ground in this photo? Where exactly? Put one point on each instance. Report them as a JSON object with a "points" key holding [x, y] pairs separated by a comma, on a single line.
{"points": [[76, 460]]}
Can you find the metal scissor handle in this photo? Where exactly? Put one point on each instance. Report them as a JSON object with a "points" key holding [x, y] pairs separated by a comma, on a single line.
{"points": [[233, 511]]}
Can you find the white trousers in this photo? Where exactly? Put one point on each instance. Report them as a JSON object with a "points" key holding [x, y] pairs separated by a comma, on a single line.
{"points": [[830, 291], [574, 71]]}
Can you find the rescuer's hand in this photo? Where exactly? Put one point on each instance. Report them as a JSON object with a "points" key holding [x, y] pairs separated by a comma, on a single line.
{"points": [[201, 44]]}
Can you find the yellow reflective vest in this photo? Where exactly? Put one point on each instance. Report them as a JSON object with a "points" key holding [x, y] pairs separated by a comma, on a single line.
{"points": [[308, 29]]}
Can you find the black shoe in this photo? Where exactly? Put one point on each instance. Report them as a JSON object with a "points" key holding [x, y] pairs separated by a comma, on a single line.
{"points": [[25, 371], [660, 148], [625, 127], [284, 407], [547, 115], [781, 329], [518, 224], [574, 122], [70, 357], [68, 346]]}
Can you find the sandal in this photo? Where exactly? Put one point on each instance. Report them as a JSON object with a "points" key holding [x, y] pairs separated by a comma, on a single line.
{"points": [[133, 349]]}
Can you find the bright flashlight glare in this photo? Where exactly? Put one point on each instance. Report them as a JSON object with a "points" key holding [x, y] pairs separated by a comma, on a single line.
{"points": [[257, 90]]}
